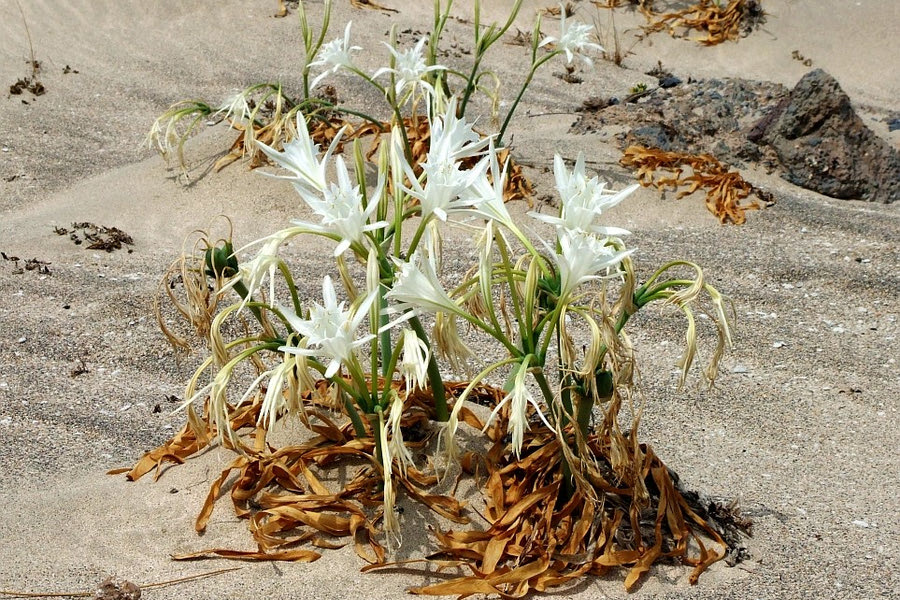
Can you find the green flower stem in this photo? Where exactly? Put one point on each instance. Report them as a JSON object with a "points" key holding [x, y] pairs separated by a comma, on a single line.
{"points": [[388, 378], [534, 67], [434, 374], [385, 335], [244, 293], [517, 302], [289, 280], [358, 426]]}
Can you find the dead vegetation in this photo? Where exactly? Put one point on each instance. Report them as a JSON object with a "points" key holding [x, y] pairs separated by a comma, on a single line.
{"points": [[710, 22], [99, 237], [527, 533], [726, 191]]}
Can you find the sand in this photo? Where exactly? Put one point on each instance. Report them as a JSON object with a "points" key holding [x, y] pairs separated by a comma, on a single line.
{"points": [[802, 426]]}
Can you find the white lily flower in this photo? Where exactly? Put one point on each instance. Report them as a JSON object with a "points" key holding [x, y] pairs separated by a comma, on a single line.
{"points": [[409, 68], [486, 194], [518, 398], [452, 139], [417, 287], [582, 258], [583, 200], [414, 360], [253, 273], [573, 39], [274, 402], [235, 108], [335, 55], [301, 157], [331, 328], [445, 184], [342, 209]]}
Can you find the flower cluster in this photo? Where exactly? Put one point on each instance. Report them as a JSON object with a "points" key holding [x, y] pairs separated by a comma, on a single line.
{"points": [[372, 347]]}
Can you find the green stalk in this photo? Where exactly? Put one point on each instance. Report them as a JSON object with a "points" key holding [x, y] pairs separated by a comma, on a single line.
{"points": [[358, 426], [434, 374]]}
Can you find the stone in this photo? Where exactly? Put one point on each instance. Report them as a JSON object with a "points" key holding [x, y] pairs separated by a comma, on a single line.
{"points": [[824, 146]]}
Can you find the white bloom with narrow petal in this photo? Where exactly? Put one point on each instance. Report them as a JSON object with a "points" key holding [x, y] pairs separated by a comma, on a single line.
{"points": [[330, 328], [335, 55], [301, 157], [342, 211], [254, 272], [574, 39], [486, 194], [409, 69], [583, 200], [391, 522], [235, 108], [518, 399], [445, 187], [417, 287], [582, 258], [452, 138]]}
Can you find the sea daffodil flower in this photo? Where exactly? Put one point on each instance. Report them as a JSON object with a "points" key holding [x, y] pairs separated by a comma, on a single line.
{"points": [[445, 184], [582, 258], [409, 68], [583, 200], [301, 157], [518, 399], [573, 39], [452, 138], [331, 328], [342, 211], [417, 287], [253, 272], [414, 360], [335, 55]]}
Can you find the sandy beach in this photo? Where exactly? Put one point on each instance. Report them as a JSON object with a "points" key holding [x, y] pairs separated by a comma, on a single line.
{"points": [[801, 427]]}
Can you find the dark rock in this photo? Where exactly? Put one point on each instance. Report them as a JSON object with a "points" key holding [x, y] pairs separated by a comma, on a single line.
{"points": [[824, 146], [669, 82], [893, 124], [656, 135], [116, 588]]}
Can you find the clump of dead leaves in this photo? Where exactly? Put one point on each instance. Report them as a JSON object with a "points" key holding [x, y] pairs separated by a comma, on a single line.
{"points": [[525, 534], [726, 191], [716, 22]]}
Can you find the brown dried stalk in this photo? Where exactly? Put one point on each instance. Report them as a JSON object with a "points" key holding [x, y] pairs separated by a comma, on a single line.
{"points": [[726, 191]]}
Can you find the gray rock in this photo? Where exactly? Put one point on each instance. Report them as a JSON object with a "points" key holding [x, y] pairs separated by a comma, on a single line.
{"points": [[823, 145]]}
